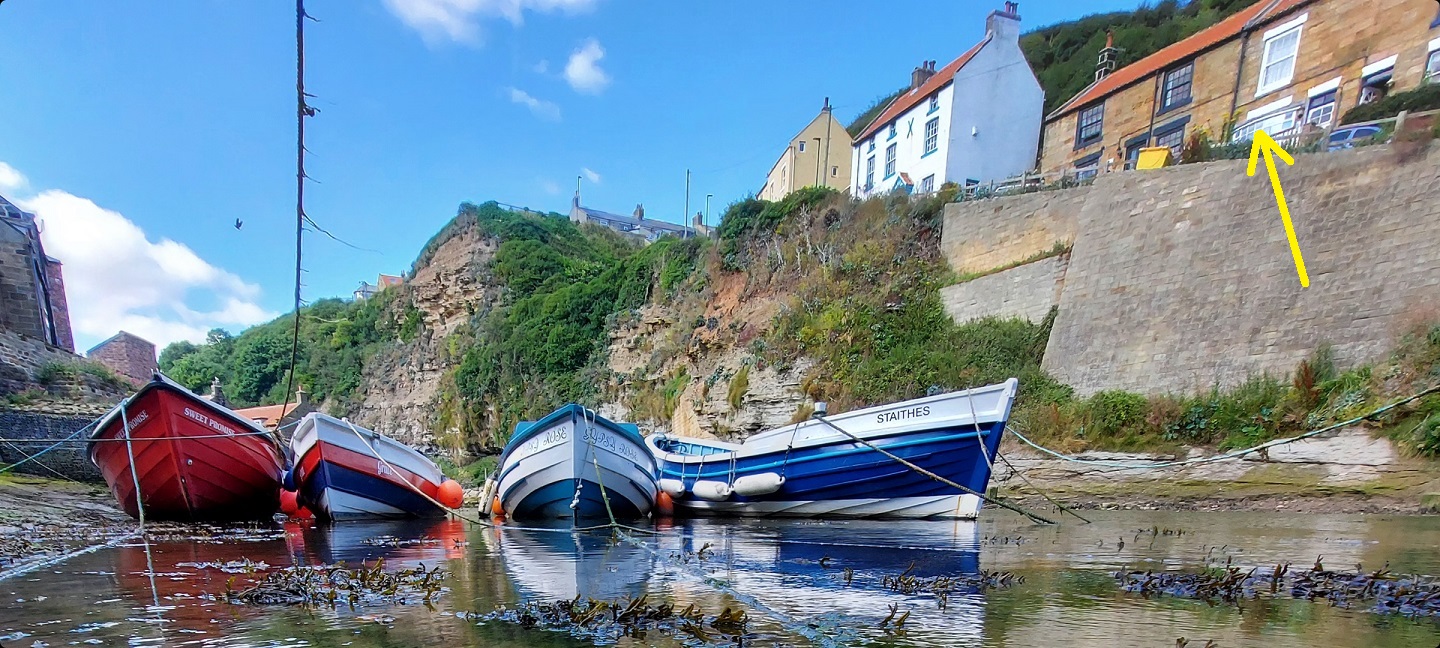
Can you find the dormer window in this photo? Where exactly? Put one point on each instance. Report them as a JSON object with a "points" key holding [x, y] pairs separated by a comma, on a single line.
{"points": [[934, 104], [892, 132]]}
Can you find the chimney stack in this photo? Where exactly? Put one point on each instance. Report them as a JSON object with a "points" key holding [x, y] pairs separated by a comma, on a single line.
{"points": [[921, 74], [1004, 24], [1108, 57], [640, 211], [300, 396], [827, 105]]}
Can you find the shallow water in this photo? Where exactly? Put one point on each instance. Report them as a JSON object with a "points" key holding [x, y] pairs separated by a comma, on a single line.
{"points": [[789, 576]]}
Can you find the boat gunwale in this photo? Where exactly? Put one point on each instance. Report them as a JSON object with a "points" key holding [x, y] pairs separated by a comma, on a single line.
{"points": [[162, 382], [551, 419]]}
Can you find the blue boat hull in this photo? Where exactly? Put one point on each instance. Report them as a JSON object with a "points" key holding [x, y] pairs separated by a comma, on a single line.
{"points": [[576, 464]]}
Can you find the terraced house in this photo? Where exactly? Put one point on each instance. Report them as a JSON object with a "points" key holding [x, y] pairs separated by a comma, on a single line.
{"points": [[974, 120], [1278, 66]]}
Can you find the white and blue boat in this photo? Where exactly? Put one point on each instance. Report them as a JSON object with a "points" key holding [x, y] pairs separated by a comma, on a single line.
{"points": [[829, 466], [575, 463]]}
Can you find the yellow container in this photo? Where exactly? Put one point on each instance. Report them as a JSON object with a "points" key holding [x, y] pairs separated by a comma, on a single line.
{"points": [[1153, 157]]}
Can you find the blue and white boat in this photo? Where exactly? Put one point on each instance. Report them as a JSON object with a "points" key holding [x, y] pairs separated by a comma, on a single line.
{"points": [[575, 463], [821, 468]]}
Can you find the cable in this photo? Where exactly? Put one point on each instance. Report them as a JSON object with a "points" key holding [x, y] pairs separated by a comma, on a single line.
{"points": [[34, 456]]}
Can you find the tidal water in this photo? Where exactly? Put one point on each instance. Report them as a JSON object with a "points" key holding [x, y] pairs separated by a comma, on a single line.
{"points": [[799, 582]]}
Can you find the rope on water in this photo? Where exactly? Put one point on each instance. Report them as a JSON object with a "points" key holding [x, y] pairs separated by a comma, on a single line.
{"points": [[1000, 503], [1234, 454]]}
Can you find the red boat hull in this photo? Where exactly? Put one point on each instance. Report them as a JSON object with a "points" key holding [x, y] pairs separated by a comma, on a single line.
{"points": [[196, 461]]}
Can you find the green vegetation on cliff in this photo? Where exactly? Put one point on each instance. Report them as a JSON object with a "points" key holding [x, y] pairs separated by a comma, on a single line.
{"points": [[1063, 55]]}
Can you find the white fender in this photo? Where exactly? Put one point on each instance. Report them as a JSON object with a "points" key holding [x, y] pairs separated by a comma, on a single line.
{"points": [[715, 491], [758, 484], [672, 487]]}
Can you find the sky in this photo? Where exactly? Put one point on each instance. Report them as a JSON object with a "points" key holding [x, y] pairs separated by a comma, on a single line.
{"points": [[142, 132]]}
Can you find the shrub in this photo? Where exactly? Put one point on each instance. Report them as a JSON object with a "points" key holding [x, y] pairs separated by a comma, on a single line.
{"points": [[1115, 412], [1425, 97], [739, 384]]}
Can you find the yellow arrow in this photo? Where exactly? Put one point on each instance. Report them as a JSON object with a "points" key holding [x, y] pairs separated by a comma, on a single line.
{"points": [[1267, 145]]}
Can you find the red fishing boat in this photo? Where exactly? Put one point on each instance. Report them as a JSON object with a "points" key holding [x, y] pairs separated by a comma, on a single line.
{"points": [[197, 460]]}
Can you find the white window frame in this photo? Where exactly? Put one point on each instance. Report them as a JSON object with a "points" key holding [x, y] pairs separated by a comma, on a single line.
{"points": [[869, 173], [934, 103], [802, 146], [891, 153], [1267, 58], [932, 135], [1432, 66], [928, 184]]}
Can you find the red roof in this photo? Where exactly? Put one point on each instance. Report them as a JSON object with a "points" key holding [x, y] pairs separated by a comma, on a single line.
{"points": [[390, 280], [912, 98], [267, 415], [1204, 39]]}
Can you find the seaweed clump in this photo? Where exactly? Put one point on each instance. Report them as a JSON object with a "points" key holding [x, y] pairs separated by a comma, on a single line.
{"points": [[605, 621], [332, 585]]}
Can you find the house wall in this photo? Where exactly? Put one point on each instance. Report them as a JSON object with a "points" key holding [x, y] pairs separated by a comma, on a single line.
{"points": [[128, 356], [909, 141], [796, 168], [993, 130], [59, 306], [20, 310], [1338, 38]]}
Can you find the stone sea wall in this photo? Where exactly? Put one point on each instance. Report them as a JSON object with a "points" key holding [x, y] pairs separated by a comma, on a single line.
{"points": [[1181, 278]]}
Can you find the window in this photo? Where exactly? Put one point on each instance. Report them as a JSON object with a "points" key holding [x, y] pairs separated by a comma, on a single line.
{"points": [[802, 146], [1176, 91], [892, 132], [1274, 124], [928, 184], [1088, 127], [1320, 111], [889, 161], [1174, 140], [1277, 67], [1087, 166], [870, 173], [1432, 67], [872, 147], [934, 104], [834, 171], [1374, 87], [932, 135], [1132, 150]]}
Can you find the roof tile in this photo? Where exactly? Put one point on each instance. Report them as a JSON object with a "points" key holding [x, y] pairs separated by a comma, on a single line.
{"points": [[913, 97]]}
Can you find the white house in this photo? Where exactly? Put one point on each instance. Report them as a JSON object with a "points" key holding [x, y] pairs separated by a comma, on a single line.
{"points": [[972, 121]]}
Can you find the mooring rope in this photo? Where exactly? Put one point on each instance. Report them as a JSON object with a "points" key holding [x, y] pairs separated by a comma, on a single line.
{"points": [[33, 457], [134, 470], [1000, 503], [1234, 454]]}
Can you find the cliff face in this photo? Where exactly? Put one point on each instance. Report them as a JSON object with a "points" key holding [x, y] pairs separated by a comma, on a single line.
{"points": [[401, 384]]}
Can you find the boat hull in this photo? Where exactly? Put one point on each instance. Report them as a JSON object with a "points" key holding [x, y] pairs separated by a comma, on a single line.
{"points": [[339, 476], [574, 464], [824, 472], [195, 461]]}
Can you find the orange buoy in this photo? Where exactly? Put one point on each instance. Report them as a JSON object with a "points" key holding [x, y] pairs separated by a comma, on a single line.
{"points": [[664, 505], [496, 508], [289, 502], [451, 494]]}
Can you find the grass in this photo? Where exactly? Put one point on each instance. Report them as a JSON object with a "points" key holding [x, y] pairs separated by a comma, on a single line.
{"points": [[470, 475]]}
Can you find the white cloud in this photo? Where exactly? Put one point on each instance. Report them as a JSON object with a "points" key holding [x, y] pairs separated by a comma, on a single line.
{"points": [[583, 70], [550, 187], [459, 20], [541, 108], [10, 179], [117, 278], [543, 67], [590, 175]]}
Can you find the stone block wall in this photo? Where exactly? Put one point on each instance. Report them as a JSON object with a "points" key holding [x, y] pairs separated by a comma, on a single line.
{"points": [[69, 460], [1027, 291], [59, 306], [19, 305], [982, 235], [1182, 278], [128, 356]]}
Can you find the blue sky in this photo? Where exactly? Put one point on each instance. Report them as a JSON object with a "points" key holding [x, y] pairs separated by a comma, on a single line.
{"points": [[140, 130]]}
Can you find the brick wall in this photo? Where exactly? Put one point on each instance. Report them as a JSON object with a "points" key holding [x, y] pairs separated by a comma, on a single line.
{"points": [[1182, 278], [986, 234], [59, 306], [20, 356], [128, 356], [19, 310], [69, 460], [1027, 291]]}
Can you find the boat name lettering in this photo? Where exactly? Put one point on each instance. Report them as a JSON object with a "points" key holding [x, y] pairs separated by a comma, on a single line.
{"points": [[207, 421], [551, 437], [609, 442], [900, 415], [136, 420]]}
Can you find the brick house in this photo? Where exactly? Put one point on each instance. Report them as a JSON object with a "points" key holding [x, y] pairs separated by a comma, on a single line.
{"points": [[1277, 66], [32, 286], [127, 355]]}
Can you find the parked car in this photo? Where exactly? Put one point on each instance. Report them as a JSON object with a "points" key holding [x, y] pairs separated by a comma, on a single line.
{"points": [[1346, 137]]}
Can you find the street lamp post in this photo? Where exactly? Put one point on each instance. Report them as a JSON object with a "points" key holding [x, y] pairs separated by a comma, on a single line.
{"points": [[705, 220], [818, 160]]}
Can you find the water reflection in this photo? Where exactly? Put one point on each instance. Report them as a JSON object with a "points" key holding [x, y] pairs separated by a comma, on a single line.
{"points": [[793, 572]]}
